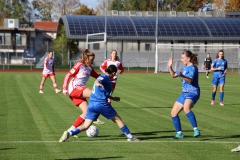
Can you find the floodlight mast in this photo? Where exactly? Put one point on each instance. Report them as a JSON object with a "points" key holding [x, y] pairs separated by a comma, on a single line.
{"points": [[156, 37], [105, 43]]}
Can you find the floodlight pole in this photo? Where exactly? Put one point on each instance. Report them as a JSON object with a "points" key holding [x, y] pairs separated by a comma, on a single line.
{"points": [[105, 43], [156, 37]]}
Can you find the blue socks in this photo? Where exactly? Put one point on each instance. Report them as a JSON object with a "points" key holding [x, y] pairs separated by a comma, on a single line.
{"points": [[213, 95], [74, 131], [176, 123], [221, 96], [192, 119], [125, 130]]}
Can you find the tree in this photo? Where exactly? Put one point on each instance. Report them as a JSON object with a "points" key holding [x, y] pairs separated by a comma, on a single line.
{"points": [[164, 5], [102, 4], [63, 7], [232, 6], [44, 9], [83, 10]]}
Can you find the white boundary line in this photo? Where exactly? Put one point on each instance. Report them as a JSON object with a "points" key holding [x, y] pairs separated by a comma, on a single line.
{"points": [[110, 141]]}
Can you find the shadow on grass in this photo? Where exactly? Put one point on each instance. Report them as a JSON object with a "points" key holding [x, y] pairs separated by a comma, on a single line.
{"points": [[133, 108], [91, 158], [1, 149]]}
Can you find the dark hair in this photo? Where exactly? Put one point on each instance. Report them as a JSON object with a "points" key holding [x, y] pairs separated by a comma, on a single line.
{"points": [[217, 56], [193, 57], [110, 69]]}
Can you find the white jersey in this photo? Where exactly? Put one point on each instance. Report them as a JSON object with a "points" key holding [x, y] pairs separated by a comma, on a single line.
{"points": [[48, 66], [81, 74], [109, 62]]}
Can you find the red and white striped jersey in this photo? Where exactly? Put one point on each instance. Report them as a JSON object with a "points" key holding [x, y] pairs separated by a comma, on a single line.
{"points": [[109, 62], [48, 66], [80, 73]]}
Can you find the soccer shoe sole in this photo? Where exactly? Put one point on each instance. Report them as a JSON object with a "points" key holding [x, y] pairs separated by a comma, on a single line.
{"points": [[64, 137]]}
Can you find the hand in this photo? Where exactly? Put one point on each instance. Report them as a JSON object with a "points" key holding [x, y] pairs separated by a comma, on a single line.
{"points": [[219, 68], [180, 74], [116, 99], [170, 62], [65, 93]]}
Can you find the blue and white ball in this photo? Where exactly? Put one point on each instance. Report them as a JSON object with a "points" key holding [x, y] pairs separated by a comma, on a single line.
{"points": [[92, 131]]}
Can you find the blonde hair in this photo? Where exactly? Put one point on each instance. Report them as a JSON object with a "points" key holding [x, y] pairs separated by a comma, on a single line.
{"points": [[85, 57]]}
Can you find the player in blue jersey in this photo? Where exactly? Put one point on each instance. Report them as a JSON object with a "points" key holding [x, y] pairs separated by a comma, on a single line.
{"points": [[219, 69], [98, 104], [190, 92]]}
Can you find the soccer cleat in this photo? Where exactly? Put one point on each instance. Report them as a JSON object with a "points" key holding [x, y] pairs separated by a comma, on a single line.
{"points": [[64, 137], [236, 149], [196, 133], [40, 91], [212, 102], [178, 136], [98, 121], [133, 139], [221, 104], [57, 90]]}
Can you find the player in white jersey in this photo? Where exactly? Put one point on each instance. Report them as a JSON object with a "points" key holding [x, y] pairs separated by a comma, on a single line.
{"points": [[76, 88], [48, 71], [114, 60]]}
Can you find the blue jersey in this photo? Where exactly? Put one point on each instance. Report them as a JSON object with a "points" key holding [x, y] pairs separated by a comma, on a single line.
{"points": [[100, 94], [190, 72], [219, 63]]}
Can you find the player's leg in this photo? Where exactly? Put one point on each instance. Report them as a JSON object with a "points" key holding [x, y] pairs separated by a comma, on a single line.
{"points": [[52, 76], [75, 131], [215, 85], [188, 105], [123, 127], [42, 83], [221, 94], [177, 108]]}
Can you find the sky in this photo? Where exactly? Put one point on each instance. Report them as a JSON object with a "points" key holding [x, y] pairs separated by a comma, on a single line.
{"points": [[90, 3]]}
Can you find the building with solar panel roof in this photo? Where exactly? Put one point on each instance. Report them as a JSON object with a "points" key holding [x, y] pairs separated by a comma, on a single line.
{"points": [[132, 33]]}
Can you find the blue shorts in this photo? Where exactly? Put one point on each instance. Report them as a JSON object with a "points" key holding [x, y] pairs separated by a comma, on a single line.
{"points": [[194, 97], [219, 80], [97, 108]]}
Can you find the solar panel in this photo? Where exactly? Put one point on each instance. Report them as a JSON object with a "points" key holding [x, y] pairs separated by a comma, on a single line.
{"points": [[116, 26], [223, 26], [145, 26], [170, 26]]}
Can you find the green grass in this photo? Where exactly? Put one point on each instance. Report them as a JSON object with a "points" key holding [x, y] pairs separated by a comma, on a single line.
{"points": [[32, 123]]}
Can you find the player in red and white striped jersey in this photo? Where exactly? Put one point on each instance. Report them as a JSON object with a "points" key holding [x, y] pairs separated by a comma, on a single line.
{"points": [[114, 60], [76, 88], [48, 71]]}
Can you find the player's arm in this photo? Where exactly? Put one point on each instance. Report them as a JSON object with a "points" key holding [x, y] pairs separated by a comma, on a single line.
{"points": [[94, 74], [187, 79], [172, 73], [70, 74], [114, 98], [226, 67], [53, 68], [103, 66], [214, 67], [120, 68], [45, 64]]}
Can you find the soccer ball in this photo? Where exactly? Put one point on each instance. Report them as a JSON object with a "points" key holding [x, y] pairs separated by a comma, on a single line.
{"points": [[92, 131]]}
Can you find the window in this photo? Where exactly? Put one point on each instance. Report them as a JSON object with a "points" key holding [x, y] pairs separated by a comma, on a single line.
{"points": [[147, 47], [23, 40], [96, 46], [18, 42], [7, 39], [1, 38]]}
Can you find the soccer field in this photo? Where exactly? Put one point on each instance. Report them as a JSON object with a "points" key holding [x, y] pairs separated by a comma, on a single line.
{"points": [[32, 123]]}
